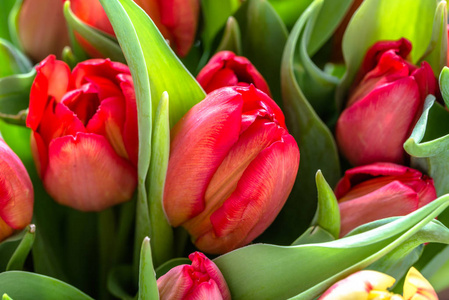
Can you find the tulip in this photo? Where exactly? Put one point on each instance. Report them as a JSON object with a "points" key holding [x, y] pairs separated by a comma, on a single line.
{"points": [[227, 69], [177, 20], [232, 166], [381, 190], [367, 284], [84, 139], [16, 193], [200, 280], [42, 28], [384, 105]]}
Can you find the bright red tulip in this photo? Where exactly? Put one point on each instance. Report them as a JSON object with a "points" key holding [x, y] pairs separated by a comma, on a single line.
{"points": [[177, 20], [200, 280], [84, 137], [232, 166], [384, 105], [42, 28], [16, 193], [227, 69], [381, 190]]}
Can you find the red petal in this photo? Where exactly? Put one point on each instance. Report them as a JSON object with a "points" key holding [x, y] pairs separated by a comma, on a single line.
{"points": [[85, 173], [223, 77], [130, 128], [92, 13], [97, 68]]}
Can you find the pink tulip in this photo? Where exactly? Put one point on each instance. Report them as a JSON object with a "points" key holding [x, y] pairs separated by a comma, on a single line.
{"points": [[177, 20], [367, 284], [227, 69], [84, 137], [16, 193], [232, 166], [384, 104], [200, 280], [42, 28], [381, 190]]}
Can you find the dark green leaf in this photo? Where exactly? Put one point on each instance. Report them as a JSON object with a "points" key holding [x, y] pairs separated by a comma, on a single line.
{"points": [[231, 40], [18, 258]]}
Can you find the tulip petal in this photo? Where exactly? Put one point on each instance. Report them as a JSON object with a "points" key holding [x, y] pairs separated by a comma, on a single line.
{"points": [[358, 286], [416, 287], [223, 77], [206, 290], [5, 230], [394, 199], [256, 201], [97, 68], [391, 107], [85, 173], [92, 13], [197, 149]]}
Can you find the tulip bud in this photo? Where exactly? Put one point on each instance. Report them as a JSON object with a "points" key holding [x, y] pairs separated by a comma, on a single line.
{"points": [[369, 284], [381, 190], [16, 193], [84, 139], [232, 166], [384, 105], [227, 69], [177, 20], [201, 280], [42, 29]]}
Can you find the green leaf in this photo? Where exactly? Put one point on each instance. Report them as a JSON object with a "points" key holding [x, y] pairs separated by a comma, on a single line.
{"points": [[31, 286], [377, 20], [436, 53], [328, 212], [161, 232], [315, 141], [231, 40], [120, 282], [147, 279], [12, 60], [257, 271], [312, 235], [440, 279], [290, 10], [13, 20], [102, 42], [5, 8], [6, 297], [18, 258], [263, 35], [444, 84]]}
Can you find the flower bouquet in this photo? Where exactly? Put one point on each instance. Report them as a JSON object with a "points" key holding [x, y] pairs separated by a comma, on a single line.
{"points": [[256, 149]]}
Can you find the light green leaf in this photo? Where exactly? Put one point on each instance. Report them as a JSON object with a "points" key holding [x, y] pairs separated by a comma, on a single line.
{"points": [[161, 232], [147, 277], [231, 40], [31, 286], [312, 235], [5, 8], [444, 84], [18, 258], [290, 10], [257, 271], [440, 279], [6, 297]]}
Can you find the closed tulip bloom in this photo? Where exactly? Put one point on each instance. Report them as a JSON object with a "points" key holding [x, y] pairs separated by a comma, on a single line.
{"points": [[177, 20], [232, 166], [384, 104], [381, 190], [227, 69], [200, 280], [16, 193], [367, 284], [84, 139]]}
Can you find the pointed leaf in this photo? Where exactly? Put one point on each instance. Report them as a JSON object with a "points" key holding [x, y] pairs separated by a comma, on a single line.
{"points": [[147, 277], [444, 84], [231, 40]]}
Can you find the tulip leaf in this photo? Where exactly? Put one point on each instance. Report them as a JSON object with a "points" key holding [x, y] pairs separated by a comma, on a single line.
{"points": [[6, 297], [18, 258], [161, 232], [147, 279], [444, 85], [101, 42], [5, 8], [31, 286], [257, 271], [316, 144], [436, 53], [290, 10], [314, 234], [263, 35], [328, 213], [231, 40], [12, 60], [377, 20], [440, 279]]}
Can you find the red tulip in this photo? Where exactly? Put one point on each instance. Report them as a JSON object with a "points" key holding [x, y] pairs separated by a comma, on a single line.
{"points": [[177, 20], [227, 69], [381, 190], [16, 193], [232, 166], [42, 28], [384, 105], [200, 280], [84, 137]]}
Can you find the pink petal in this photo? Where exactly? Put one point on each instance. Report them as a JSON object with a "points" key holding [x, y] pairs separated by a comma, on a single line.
{"points": [[394, 199], [194, 157], [205, 291], [374, 128], [85, 173]]}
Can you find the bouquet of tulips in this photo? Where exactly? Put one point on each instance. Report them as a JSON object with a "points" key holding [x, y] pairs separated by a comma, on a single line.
{"points": [[231, 149]]}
